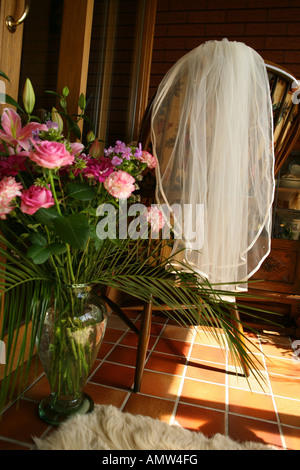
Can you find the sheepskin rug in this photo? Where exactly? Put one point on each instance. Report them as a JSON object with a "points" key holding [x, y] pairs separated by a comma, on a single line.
{"points": [[108, 428]]}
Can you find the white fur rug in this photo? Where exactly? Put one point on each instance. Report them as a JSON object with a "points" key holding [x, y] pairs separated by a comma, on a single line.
{"points": [[108, 428]]}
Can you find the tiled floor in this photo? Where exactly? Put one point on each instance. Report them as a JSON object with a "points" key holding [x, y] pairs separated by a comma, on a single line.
{"points": [[188, 380]]}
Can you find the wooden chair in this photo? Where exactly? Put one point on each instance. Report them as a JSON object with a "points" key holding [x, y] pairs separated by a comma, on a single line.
{"points": [[286, 131], [285, 95]]}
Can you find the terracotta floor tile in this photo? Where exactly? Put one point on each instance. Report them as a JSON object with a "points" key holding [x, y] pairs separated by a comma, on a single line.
{"points": [[274, 338], [208, 422], [7, 445], [292, 437], [202, 370], [114, 375], [132, 314], [254, 404], [112, 335], [160, 385], [208, 353], [277, 349], [206, 337], [285, 386], [38, 390], [208, 329], [155, 328], [123, 355], [179, 333], [205, 389], [203, 394], [166, 363], [288, 410], [35, 371], [104, 395], [257, 361], [254, 382], [21, 421], [174, 347], [150, 406], [283, 366], [113, 321], [105, 348], [252, 343], [158, 317], [131, 339], [244, 429]]}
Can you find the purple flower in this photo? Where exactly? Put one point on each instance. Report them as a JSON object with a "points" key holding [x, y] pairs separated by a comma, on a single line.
{"points": [[127, 153], [116, 161], [51, 124], [119, 147], [139, 151], [109, 150]]}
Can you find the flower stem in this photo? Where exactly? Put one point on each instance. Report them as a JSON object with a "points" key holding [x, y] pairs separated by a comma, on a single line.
{"points": [[59, 211], [54, 192]]}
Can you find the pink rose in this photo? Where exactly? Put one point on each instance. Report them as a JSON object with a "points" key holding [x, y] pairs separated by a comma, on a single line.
{"points": [[34, 198], [120, 184], [151, 160], [51, 155]]}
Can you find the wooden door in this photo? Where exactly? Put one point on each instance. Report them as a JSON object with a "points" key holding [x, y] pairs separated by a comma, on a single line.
{"points": [[11, 45], [10, 61], [72, 70]]}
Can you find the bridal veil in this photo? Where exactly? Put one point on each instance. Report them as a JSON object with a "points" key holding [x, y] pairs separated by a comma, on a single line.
{"points": [[212, 133]]}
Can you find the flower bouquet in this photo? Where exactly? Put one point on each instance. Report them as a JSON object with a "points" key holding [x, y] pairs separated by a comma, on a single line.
{"points": [[67, 233]]}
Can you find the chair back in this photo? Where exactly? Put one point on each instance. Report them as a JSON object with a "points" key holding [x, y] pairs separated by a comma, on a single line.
{"points": [[285, 95]]}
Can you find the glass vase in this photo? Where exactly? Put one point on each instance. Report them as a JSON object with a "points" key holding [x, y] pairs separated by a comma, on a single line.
{"points": [[68, 343]]}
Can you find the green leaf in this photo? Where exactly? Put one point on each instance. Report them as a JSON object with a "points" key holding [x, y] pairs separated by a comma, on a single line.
{"points": [[2, 74], [73, 230], [46, 216], [81, 191], [38, 239], [57, 248], [73, 126], [38, 253], [53, 93], [9, 100], [93, 235]]}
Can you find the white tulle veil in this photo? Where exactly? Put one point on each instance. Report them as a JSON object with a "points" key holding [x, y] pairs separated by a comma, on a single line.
{"points": [[212, 133]]}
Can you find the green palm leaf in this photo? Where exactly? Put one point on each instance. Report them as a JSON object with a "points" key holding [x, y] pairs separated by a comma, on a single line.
{"points": [[128, 267]]}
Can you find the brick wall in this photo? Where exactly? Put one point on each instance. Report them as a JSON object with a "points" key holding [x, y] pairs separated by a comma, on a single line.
{"points": [[271, 27]]}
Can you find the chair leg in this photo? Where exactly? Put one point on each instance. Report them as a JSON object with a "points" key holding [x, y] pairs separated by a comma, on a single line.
{"points": [[239, 327], [118, 311], [144, 335]]}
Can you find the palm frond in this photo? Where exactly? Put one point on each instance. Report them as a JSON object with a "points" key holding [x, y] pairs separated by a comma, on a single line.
{"points": [[129, 267]]}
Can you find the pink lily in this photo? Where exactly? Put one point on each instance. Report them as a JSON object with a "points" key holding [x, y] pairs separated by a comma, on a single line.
{"points": [[14, 134]]}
